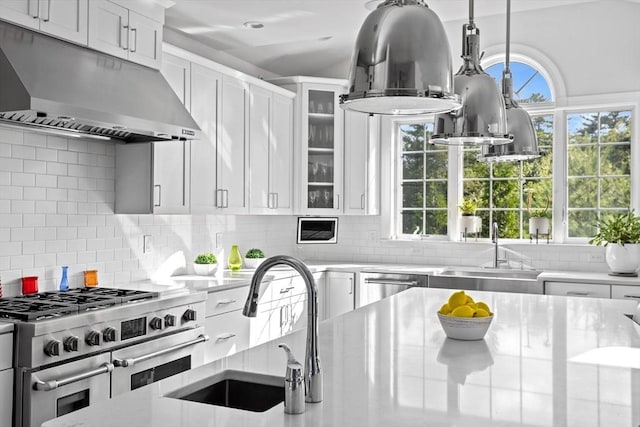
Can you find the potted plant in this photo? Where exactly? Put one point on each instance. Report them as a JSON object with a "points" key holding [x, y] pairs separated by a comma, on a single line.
{"points": [[253, 258], [538, 218], [469, 222], [620, 235], [205, 264]]}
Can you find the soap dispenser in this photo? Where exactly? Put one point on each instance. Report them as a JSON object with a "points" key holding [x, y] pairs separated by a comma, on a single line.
{"points": [[293, 384]]}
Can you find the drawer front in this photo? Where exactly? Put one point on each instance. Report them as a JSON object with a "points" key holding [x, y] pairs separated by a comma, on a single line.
{"points": [[228, 334], [586, 290], [625, 292], [226, 301], [6, 351]]}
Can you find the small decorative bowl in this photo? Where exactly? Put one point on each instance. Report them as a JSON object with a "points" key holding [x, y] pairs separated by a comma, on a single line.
{"points": [[205, 269], [465, 328], [253, 262]]}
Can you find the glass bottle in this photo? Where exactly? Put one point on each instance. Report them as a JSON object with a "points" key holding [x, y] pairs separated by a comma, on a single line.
{"points": [[235, 259], [64, 282]]}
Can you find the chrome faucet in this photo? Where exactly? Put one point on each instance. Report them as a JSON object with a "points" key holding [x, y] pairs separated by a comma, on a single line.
{"points": [[312, 374], [494, 239]]}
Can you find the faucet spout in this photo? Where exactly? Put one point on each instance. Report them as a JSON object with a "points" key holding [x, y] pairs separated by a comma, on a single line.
{"points": [[313, 374], [494, 239]]}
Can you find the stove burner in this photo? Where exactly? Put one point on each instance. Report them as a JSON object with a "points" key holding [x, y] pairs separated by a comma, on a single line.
{"points": [[59, 303]]}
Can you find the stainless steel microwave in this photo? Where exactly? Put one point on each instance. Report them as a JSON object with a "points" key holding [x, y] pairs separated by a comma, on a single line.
{"points": [[317, 230]]}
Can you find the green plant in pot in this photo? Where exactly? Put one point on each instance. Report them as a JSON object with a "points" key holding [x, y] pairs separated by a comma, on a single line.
{"points": [[253, 258], [620, 235], [538, 217], [469, 222], [205, 264]]}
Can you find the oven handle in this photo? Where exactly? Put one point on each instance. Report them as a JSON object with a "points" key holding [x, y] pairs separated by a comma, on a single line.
{"points": [[125, 363], [391, 282], [54, 384]]}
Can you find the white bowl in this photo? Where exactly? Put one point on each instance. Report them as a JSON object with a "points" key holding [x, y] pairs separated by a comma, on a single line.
{"points": [[205, 269], [465, 328], [253, 262]]}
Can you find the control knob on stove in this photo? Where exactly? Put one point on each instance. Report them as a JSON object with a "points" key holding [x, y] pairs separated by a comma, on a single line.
{"points": [[156, 324], [189, 315], [169, 320], [109, 334], [71, 344], [93, 338], [52, 348]]}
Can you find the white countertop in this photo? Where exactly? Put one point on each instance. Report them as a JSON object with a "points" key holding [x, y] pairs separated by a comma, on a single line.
{"points": [[545, 361]]}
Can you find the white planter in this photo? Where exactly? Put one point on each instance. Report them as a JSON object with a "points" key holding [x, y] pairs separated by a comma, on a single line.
{"points": [[205, 269], [539, 224], [470, 224], [253, 263], [623, 259]]}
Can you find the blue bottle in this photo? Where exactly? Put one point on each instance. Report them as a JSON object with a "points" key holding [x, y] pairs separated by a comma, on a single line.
{"points": [[64, 282]]}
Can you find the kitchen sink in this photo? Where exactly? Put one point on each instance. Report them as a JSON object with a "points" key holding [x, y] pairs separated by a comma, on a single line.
{"points": [[235, 389], [488, 279]]}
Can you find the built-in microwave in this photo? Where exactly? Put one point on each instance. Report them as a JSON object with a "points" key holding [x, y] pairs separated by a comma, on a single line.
{"points": [[317, 230]]}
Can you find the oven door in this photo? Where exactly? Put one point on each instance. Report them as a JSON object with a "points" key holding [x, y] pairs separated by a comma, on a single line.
{"points": [[152, 361], [65, 388]]}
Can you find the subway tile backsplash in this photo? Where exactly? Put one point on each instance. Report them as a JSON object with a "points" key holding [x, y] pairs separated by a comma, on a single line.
{"points": [[56, 208]]}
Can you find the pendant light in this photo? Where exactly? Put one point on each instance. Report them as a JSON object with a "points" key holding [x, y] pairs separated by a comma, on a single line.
{"points": [[401, 64], [525, 141], [482, 118]]}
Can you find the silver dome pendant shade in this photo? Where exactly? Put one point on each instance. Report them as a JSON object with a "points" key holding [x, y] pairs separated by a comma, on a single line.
{"points": [[401, 64], [482, 119], [519, 124]]}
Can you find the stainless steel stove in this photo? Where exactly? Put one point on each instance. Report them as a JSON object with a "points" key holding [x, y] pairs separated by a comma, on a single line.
{"points": [[76, 347]]}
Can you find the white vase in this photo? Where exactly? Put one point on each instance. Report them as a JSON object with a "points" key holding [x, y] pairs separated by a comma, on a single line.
{"points": [[539, 224], [470, 224], [253, 262], [205, 269], [623, 258]]}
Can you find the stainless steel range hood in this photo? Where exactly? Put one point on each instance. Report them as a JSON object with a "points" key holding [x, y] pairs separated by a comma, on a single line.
{"points": [[52, 85]]}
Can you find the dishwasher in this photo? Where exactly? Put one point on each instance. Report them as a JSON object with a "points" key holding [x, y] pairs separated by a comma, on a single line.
{"points": [[374, 286]]}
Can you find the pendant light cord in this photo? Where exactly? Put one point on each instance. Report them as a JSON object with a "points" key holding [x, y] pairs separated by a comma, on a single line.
{"points": [[506, 62], [471, 12]]}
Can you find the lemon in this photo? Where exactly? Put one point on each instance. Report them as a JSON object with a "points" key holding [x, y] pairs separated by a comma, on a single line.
{"points": [[457, 299], [481, 313], [483, 306], [472, 305], [470, 300], [445, 309], [463, 311]]}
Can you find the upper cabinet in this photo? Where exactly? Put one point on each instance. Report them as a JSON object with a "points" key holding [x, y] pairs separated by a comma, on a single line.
{"points": [[362, 164], [270, 152], [125, 33], [64, 19]]}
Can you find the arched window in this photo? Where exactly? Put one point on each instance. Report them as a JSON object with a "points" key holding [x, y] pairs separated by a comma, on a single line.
{"points": [[529, 84]]}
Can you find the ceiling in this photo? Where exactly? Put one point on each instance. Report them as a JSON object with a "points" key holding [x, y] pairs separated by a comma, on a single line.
{"points": [[305, 37]]}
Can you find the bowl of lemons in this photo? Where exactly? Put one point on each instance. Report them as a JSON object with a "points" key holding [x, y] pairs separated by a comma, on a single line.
{"points": [[462, 318]]}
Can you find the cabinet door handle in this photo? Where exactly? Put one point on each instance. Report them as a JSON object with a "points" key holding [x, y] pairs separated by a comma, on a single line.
{"points": [[226, 198], [48, 18], [225, 336], [578, 294], [134, 31], [275, 196], [362, 201], [270, 201], [632, 296], [157, 195], [124, 37], [35, 15], [350, 286], [337, 201], [219, 198], [226, 301]]}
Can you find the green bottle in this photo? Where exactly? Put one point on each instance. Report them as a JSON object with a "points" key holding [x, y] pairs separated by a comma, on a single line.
{"points": [[235, 259]]}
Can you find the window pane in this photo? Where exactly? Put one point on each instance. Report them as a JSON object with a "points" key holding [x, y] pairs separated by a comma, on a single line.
{"points": [[529, 86], [583, 192], [615, 192], [540, 167], [437, 165], [582, 223], [436, 222], [412, 166], [582, 128], [472, 167], [544, 129], [436, 195], [412, 222], [615, 160], [508, 223], [478, 190], [506, 169], [615, 126], [412, 196], [412, 137], [583, 161], [506, 194], [541, 194]]}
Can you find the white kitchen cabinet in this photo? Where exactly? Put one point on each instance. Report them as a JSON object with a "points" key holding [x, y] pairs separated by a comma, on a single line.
{"points": [[589, 290], [228, 334], [6, 379], [119, 31], [631, 292], [64, 19], [361, 164], [337, 294], [171, 177], [231, 188], [270, 152]]}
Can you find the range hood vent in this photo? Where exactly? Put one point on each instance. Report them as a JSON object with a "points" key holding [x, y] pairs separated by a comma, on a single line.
{"points": [[55, 86]]}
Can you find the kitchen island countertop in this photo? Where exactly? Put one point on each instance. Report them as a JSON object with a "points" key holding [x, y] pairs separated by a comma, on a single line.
{"points": [[545, 361]]}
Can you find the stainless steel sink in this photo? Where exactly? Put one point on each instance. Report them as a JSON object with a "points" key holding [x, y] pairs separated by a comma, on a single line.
{"points": [[488, 279], [235, 389]]}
